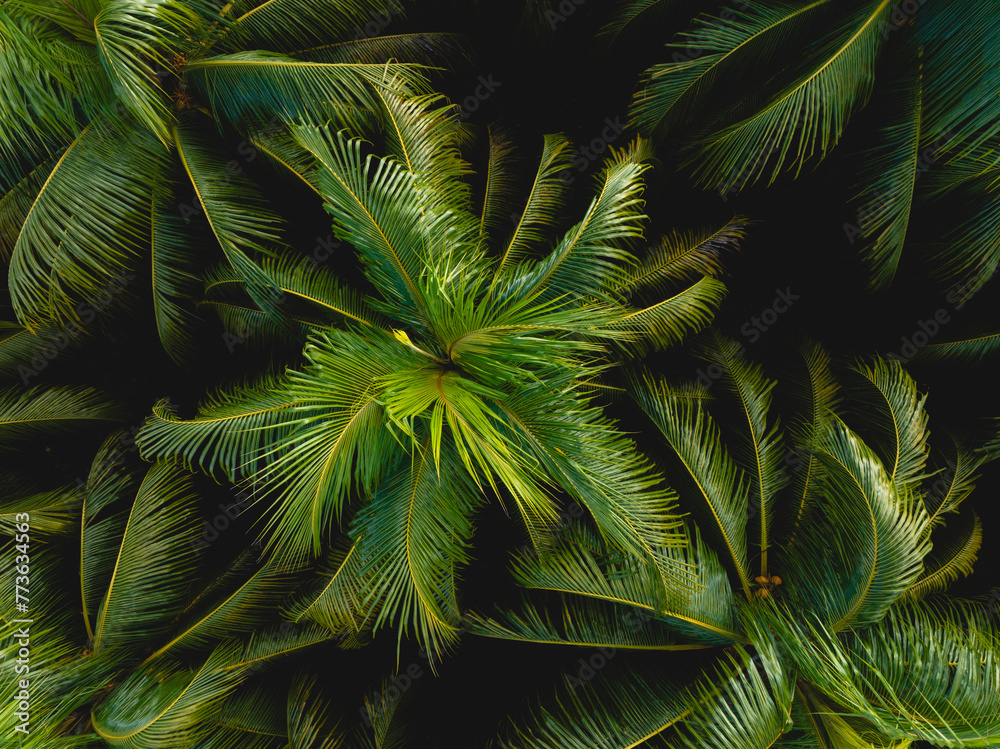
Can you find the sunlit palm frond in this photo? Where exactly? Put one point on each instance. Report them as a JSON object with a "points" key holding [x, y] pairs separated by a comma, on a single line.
{"points": [[153, 555], [162, 704], [816, 398], [681, 255], [953, 555], [869, 546], [892, 411], [231, 429], [587, 260], [286, 25]]}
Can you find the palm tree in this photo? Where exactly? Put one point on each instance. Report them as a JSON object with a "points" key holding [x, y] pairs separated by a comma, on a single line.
{"points": [[839, 639], [467, 374], [126, 130], [764, 88]]}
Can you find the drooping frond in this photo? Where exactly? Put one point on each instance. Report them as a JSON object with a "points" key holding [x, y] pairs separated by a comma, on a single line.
{"points": [[951, 486], [87, 224], [258, 85], [579, 565], [16, 203], [251, 718], [629, 15], [869, 545], [758, 445], [413, 537], [886, 183], [586, 623], [683, 254], [233, 208], [311, 724], [815, 397], [805, 118], [422, 47], [132, 39], [41, 410], [337, 598], [52, 511], [162, 704], [499, 194], [953, 555], [174, 265], [232, 428], [923, 672], [238, 605], [111, 482], [718, 46], [969, 350], [341, 440], [896, 420], [153, 555], [712, 482]]}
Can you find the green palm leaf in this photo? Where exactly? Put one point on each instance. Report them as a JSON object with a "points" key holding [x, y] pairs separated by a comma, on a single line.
{"points": [[232, 428], [821, 98], [952, 556], [759, 450], [87, 223], [421, 47], [52, 511], [873, 539], [41, 410], [897, 421], [164, 705], [152, 556], [968, 350], [718, 487], [286, 25]]}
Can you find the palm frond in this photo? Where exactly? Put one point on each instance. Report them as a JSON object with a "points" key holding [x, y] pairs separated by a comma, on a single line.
{"points": [[285, 25], [703, 612], [310, 723], [131, 40], [806, 116], [87, 224], [587, 260], [897, 421], [52, 511], [233, 426], [717, 47], [431, 48], [544, 203], [413, 536], [16, 203], [24, 353], [152, 555], [759, 450], [953, 556], [629, 14], [41, 410], [887, 181], [969, 350], [499, 193], [955, 482], [162, 704], [816, 397], [259, 85], [717, 487], [870, 544], [683, 254], [235, 211]]}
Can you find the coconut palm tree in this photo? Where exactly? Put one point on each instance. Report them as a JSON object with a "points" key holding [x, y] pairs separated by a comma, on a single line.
{"points": [[126, 131], [819, 612], [752, 91], [468, 373]]}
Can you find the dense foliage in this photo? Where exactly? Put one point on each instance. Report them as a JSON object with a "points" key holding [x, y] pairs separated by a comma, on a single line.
{"points": [[340, 412]]}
